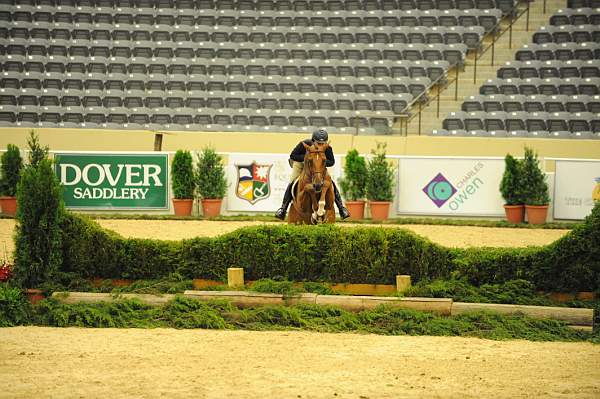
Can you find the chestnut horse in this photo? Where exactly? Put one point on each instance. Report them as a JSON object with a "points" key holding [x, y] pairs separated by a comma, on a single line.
{"points": [[314, 199]]}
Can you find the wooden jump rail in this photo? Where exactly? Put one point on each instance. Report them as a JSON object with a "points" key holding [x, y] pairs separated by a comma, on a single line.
{"points": [[575, 317], [366, 296]]}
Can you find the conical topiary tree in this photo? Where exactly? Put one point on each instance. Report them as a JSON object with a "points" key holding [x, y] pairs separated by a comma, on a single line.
{"points": [[210, 174], [380, 176], [38, 241], [510, 186], [353, 184], [182, 175], [12, 163], [533, 180]]}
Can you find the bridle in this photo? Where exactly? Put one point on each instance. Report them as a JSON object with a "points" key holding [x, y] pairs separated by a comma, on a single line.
{"points": [[311, 174]]}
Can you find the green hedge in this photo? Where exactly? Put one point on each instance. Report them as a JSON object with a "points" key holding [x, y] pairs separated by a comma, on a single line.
{"points": [[571, 263], [324, 253], [332, 253]]}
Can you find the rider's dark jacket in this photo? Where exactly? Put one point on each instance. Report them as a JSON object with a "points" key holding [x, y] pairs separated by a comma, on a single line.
{"points": [[299, 151]]}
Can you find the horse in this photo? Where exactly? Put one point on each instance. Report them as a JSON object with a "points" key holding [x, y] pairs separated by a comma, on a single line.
{"points": [[313, 195]]}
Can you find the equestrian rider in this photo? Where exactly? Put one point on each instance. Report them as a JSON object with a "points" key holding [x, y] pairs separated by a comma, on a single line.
{"points": [[297, 164]]}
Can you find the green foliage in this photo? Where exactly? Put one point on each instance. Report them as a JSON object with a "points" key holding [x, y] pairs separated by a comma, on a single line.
{"points": [[332, 254], [210, 174], [289, 288], [168, 285], [276, 287], [182, 175], [185, 312], [36, 152], [519, 292], [12, 163], [353, 184], [380, 176], [121, 314], [533, 182], [14, 307], [571, 263], [91, 252], [39, 237], [190, 313], [510, 186]]}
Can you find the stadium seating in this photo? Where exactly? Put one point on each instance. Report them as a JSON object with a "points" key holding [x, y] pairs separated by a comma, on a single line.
{"points": [[234, 64], [551, 90]]}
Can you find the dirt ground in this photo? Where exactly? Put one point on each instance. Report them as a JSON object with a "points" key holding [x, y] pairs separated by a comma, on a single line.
{"points": [[451, 236], [130, 363]]}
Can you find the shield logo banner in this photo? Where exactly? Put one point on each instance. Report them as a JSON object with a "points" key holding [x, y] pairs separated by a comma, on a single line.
{"points": [[253, 182]]}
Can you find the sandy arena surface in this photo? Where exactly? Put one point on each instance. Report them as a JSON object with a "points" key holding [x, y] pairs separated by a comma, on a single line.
{"points": [[100, 363], [451, 236]]}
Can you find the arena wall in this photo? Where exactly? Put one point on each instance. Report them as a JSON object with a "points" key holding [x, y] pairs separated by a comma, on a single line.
{"points": [[129, 140]]}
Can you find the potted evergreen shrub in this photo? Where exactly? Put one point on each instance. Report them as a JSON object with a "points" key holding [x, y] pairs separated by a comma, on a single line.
{"points": [[535, 189], [510, 188], [211, 181], [183, 183], [353, 184], [12, 163], [380, 183]]}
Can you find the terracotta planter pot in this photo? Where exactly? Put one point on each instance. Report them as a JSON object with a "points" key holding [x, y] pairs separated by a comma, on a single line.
{"points": [[183, 207], [34, 295], [379, 210], [536, 214], [8, 205], [211, 207], [515, 213], [356, 209]]}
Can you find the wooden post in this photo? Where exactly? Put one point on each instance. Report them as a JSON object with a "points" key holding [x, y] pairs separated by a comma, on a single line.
{"points": [[235, 277], [158, 141], [402, 283]]}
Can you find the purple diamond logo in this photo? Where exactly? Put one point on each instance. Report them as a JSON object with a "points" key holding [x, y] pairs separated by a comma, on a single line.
{"points": [[439, 190]]}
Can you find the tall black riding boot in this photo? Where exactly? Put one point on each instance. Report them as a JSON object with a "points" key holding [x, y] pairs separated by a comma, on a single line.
{"points": [[287, 198], [344, 214]]}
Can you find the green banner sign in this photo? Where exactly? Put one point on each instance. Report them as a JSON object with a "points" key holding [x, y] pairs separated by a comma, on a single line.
{"points": [[114, 181]]}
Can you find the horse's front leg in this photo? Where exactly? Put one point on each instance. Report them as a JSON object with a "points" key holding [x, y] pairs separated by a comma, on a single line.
{"points": [[322, 200], [310, 192]]}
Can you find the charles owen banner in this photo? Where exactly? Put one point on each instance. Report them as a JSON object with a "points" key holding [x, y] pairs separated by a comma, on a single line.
{"points": [[114, 181], [257, 182], [450, 186], [577, 186]]}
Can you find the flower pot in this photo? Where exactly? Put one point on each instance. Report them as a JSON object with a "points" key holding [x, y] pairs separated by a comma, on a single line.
{"points": [[8, 205], [34, 295], [515, 213], [182, 207], [356, 209], [211, 207], [379, 210], [536, 214]]}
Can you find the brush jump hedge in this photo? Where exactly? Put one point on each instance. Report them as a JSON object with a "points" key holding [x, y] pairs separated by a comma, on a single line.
{"points": [[330, 253]]}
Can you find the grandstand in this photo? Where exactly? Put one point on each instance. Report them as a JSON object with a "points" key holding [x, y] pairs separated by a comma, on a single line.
{"points": [[550, 90], [240, 65]]}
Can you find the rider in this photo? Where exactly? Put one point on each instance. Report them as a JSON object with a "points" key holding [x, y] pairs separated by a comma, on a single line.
{"points": [[297, 163]]}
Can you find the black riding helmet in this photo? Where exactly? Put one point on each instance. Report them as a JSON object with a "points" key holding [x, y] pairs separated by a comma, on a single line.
{"points": [[320, 136]]}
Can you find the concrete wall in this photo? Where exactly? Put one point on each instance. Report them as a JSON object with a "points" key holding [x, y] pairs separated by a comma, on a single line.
{"points": [[111, 140]]}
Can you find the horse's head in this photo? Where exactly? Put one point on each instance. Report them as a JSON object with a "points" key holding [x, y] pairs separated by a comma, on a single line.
{"points": [[314, 164]]}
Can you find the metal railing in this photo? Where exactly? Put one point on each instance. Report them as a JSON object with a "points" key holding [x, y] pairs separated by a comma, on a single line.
{"points": [[498, 33], [442, 83]]}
